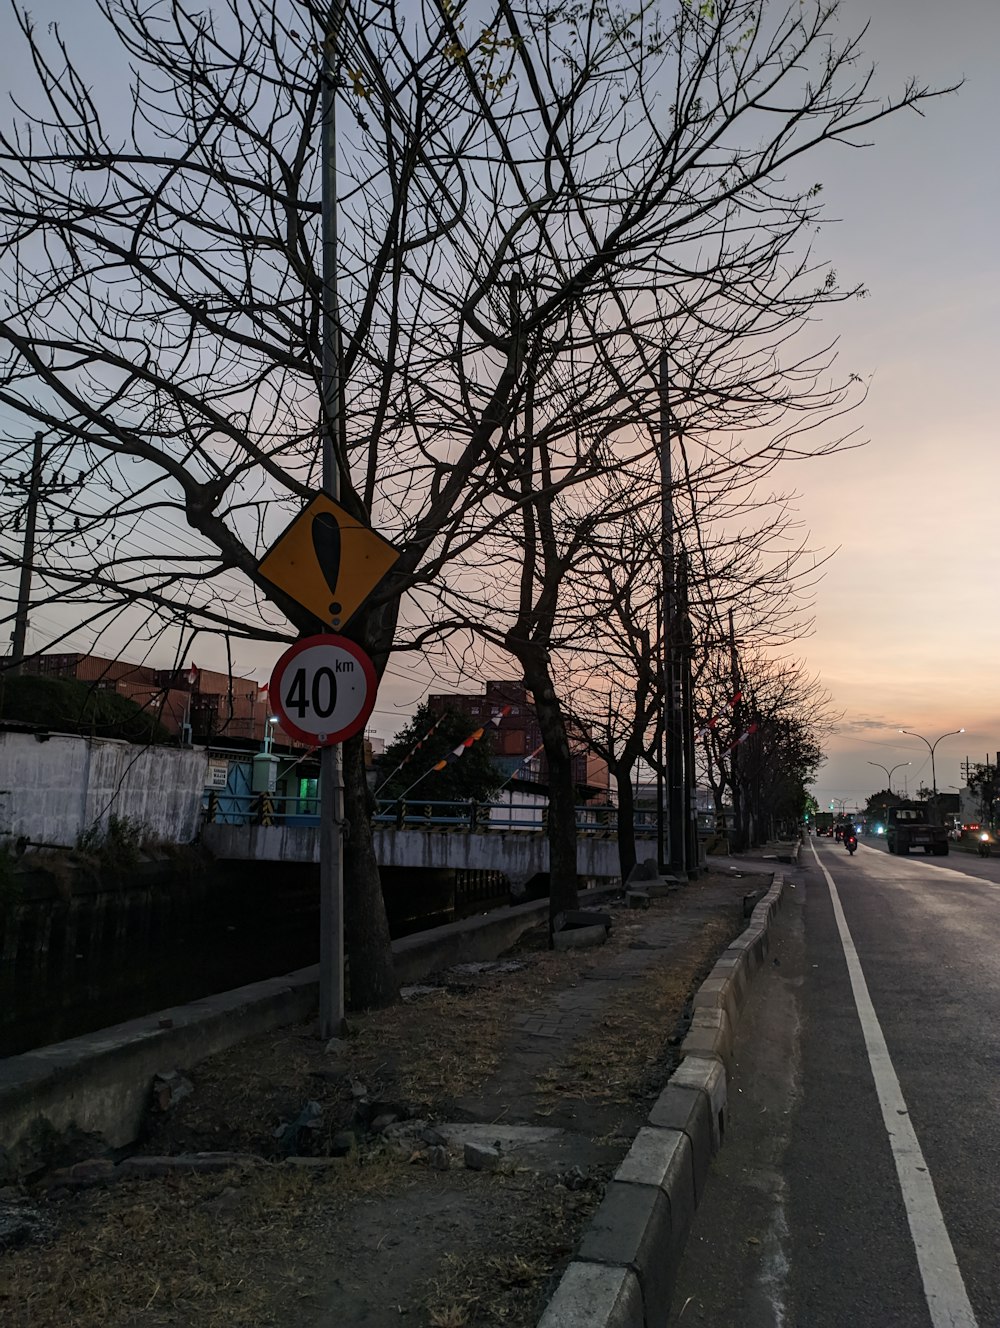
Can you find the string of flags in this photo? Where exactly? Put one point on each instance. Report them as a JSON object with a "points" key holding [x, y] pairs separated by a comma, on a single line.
{"points": [[411, 753], [744, 736], [525, 765], [716, 719], [426, 738], [457, 752], [472, 739]]}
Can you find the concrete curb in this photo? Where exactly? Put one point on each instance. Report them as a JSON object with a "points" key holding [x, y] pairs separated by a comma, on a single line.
{"points": [[623, 1273]]}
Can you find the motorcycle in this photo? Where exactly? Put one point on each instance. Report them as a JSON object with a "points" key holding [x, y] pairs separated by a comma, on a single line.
{"points": [[850, 843], [984, 846]]}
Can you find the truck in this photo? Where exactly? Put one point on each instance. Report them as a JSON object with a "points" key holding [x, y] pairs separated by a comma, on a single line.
{"points": [[910, 826], [823, 822]]}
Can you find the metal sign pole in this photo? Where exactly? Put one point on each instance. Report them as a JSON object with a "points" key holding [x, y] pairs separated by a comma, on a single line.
{"points": [[331, 862]]}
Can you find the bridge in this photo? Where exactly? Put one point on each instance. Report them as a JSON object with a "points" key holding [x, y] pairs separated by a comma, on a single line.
{"points": [[444, 836]]}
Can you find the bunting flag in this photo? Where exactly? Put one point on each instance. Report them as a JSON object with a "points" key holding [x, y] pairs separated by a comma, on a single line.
{"points": [[530, 757], [523, 766], [707, 728], [472, 739], [744, 736], [410, 754], [426, 738]]}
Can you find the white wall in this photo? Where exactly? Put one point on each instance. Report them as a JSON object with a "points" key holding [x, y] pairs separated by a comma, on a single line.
{"points": [[521, 809], [52, 791]]}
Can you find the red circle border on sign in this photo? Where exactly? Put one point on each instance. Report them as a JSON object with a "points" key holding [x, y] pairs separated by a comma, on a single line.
{"points": [[307, 643]]}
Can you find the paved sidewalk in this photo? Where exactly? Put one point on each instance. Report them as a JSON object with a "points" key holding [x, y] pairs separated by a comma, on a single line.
{"points": [[547, 1036]]}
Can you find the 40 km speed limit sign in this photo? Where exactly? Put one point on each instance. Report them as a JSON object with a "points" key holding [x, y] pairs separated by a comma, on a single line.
{"points": [[323, 689]]}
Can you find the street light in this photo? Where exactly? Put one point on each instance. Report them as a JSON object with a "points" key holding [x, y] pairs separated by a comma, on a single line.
{"points": [[889, 773], [930, 748]]}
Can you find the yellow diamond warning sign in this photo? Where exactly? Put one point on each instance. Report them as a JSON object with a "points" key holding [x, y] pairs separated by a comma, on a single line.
{"points": [[327, 561]]}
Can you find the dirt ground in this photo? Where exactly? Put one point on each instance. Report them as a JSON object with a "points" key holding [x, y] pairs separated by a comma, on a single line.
{"points": [[352, 1202]]}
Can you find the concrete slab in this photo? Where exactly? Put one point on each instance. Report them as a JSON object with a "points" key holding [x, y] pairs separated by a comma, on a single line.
{"points": [[664, 1158], [593, 1295], [579, 937], [708, 1077], [687, 1110], [719, 992], [711, 1034], [541, 1148], [632, 1228]]}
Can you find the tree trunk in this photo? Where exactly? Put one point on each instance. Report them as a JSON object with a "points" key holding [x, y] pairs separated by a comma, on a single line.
{"points": [[562, 794], [626, 819], [372, 973]]}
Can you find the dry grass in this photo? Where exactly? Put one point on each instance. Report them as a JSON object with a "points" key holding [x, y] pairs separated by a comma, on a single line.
{"points": [[160, 1252], [444, 1045], [539, 1224], [619, 1055]]}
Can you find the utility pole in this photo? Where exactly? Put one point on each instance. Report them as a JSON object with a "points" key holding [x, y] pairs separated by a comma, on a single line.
{"points": [[734, 668], [331, 761], [36, 491], [20, 634], [687, 711], [671, 679], [661, 836]]}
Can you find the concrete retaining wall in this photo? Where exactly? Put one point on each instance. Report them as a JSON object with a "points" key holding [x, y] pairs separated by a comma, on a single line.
{"points": [[624, 1270], [520, 855], [54, 789]]}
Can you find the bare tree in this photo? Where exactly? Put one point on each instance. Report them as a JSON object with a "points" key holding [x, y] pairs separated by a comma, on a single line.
{"points": [[633, 172], [740, 551], [769, 746]]}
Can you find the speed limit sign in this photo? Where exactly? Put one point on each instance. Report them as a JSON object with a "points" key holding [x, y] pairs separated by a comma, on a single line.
{"points": [[323, 689]]}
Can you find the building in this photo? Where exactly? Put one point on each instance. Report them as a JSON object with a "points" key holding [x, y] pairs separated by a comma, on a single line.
{"points": [[518, 740], [214, 705], [221, 706]]}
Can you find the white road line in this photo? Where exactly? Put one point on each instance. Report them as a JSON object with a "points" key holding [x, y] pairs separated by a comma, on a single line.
{"points": [[929, 866], [944, 1289]]}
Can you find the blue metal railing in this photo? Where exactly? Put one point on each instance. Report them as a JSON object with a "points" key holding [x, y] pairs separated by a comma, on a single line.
{"points": [[479, 817]]}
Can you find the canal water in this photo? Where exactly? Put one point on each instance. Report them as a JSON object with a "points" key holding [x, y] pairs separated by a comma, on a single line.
{"points": [[77, 955]]}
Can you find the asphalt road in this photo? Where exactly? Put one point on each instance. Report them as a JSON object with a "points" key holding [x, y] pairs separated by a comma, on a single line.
{"points": [[859, 1185]]}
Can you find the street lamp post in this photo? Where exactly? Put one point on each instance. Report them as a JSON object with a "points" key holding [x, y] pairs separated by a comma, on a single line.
{"points": [[930, 747], [889, 773], [269, 734]]}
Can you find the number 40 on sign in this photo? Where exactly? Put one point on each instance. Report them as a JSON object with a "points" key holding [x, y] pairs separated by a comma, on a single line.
{"points": [[323, 689]]}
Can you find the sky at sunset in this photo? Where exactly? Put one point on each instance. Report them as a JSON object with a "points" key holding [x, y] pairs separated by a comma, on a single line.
{"points": [[907, 631]]}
